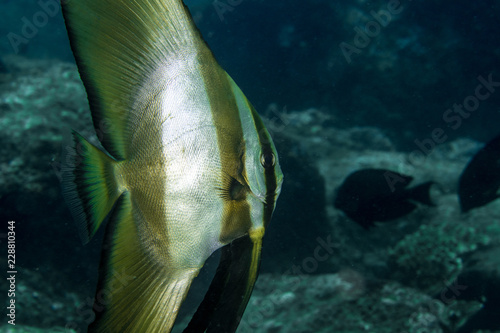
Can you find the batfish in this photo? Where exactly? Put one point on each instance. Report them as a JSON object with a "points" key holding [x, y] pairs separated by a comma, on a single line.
{"points": [[185, 166]]}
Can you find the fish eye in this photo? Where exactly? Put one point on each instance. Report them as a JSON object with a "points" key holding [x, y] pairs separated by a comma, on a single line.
{"points": [[267, 160]]}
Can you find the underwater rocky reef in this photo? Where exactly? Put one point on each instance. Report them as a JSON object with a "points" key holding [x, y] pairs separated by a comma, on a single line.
{"points": [[434, 270], [335, 101]]}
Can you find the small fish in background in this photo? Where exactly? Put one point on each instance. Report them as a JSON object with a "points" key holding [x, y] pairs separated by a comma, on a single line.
{"points": [[480, 180], [188, 167], [371, 195]]}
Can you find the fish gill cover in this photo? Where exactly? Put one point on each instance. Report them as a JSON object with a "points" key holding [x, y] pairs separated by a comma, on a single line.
{"points": [[409, 86]]}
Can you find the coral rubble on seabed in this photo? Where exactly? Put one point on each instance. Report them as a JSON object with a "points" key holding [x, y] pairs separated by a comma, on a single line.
{"points": [[435, 270]]}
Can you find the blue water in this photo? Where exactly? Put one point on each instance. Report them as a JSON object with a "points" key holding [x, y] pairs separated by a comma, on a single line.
{"points": [[347, 84]]}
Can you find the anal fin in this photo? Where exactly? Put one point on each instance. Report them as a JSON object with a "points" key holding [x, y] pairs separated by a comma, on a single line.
{"points": [[134, 292], [227, 297]]}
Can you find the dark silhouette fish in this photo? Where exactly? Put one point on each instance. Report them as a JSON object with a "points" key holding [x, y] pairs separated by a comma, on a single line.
{"points": [[371, 195], [480, 181]]}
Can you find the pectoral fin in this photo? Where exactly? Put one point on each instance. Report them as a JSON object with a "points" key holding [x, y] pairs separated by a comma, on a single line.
{"points": [[228, 295], [135, 293]]}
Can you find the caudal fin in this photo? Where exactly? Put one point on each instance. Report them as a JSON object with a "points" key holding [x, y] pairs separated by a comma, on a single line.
{"points": [[421, 193], [89, 185]]}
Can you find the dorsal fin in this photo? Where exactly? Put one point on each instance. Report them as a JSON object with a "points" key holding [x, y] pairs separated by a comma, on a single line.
{"points": [[121, 46]]}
